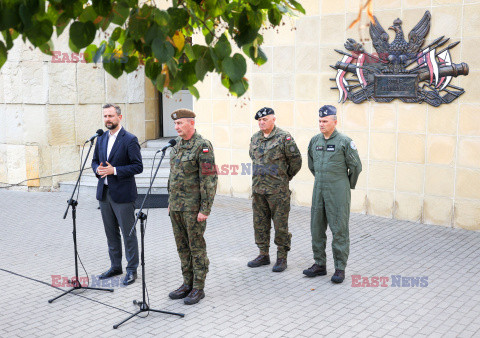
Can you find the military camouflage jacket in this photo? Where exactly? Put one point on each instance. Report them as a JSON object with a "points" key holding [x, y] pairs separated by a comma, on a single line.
{"points": [[193, 180], [276, 159]]}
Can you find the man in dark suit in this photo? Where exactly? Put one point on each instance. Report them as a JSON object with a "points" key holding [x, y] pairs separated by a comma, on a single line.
{"points": [[116, 160]]}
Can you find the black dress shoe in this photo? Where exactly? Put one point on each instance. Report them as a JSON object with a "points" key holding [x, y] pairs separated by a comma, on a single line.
{"points": [[259, 261], [280, 265], [110, 273], [194, 297], [315, 270], [338, 276], [181, 292], [130, 278]]}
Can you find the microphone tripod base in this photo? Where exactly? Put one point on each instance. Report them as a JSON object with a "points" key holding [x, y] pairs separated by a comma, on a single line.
{"points": [[143, 307], [78, 286]]}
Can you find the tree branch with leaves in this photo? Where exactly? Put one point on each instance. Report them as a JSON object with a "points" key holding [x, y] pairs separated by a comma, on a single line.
{"points": [[144, 35]]}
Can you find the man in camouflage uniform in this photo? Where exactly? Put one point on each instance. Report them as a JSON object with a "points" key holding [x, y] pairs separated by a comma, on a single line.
{"points": [[191, 186], [276, 159], [333, 160]]}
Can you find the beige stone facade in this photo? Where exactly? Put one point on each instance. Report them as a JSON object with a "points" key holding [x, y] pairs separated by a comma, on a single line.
{"points": [[420, 163], [48, 109]]}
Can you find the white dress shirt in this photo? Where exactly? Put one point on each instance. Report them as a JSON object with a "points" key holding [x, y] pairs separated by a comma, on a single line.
{"points": [[111, 141]]}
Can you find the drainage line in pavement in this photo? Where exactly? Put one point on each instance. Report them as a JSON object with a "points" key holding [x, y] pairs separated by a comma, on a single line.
{"points": [[56, 287]]}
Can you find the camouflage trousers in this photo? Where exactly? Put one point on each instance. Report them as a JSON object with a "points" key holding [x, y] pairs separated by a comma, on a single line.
{"points": [[270, 207], [191, 247]]}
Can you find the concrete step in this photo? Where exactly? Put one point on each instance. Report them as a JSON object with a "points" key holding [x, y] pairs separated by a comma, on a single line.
{"points": [[159, 143], [163, 172], [91, 187], [159, 181]]}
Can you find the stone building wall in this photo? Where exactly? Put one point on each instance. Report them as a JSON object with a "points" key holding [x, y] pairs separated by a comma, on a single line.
{"points": [[420, 163], [48, 109]]}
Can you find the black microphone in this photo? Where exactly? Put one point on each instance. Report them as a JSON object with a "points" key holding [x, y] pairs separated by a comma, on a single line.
{"points": [[98, 133], [170, 143]]}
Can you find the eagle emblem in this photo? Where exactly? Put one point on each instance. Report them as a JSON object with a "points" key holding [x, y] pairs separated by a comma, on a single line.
{"points": [[399, 69]]}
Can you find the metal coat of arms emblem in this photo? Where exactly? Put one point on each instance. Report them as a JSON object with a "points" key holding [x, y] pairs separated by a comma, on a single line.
{"points": [[400, 69]]}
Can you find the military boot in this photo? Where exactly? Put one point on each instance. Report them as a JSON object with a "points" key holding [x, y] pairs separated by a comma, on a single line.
{"points": [[280, 265], [194, 297], [259, 261], [315, 270], [338, 276], [181, 292]]}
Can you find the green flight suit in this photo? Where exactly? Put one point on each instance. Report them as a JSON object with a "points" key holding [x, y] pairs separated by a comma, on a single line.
{"points": [[276, 160], [191, 186], [336, 166]]}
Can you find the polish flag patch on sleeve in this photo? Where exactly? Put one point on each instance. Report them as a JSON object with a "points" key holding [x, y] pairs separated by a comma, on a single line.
{"points": [[206, 150], [288, 138]]}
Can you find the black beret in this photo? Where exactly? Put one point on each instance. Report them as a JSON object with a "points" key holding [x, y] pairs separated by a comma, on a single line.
{"points": [[327, 110], [264, 112]]}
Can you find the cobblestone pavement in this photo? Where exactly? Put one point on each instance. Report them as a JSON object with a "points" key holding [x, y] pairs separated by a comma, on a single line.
{"points": [[36, 242]]}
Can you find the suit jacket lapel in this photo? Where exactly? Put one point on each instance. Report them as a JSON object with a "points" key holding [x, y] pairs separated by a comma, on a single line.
{"points": [[116, 144]]}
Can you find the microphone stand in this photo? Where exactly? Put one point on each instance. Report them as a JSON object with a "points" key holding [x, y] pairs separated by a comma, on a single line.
{"points": [[143, 305], [73, 203]]}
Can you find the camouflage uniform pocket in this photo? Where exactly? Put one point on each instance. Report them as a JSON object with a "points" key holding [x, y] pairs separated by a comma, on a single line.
{"points": [[190, 166]]}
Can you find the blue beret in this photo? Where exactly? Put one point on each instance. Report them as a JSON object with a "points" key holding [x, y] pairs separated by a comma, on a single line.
{"points": [[327, 110], [264, 112]]}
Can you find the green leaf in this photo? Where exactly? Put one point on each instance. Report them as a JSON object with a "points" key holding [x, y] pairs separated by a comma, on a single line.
{"points": [[255, 19], [187, 74], [116, 34], [260, 57], [131, 64], [222, 47], [172, 66], [152, 68], [91, 54], [162, 50], [189, 52], [226, 81], [82, 33], [137, 26], [215, 60], [203, 66], [120, 13], [40, 32], [62, 23], [47, 48], [160, 82], [194, 91], [128, 46], [161, 17], [155, 31], [8, 39], [178, 18], [274, 16], [102, 7], [3, 54], [235, 67], [215, 7], [297, 6], [88, 14], [72, 47], [113, 67], [25, 15], [239, 88], [9, 17]]}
